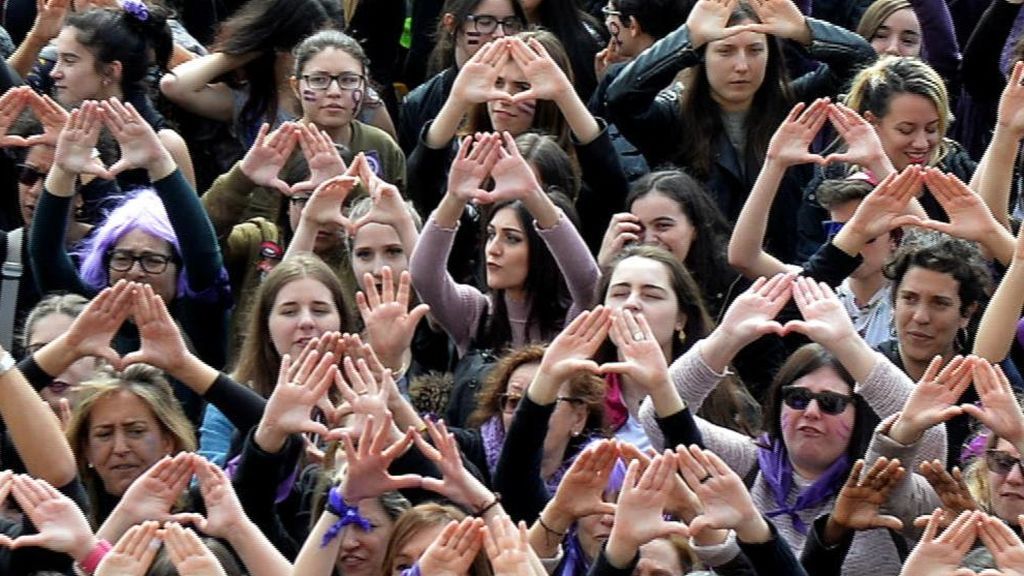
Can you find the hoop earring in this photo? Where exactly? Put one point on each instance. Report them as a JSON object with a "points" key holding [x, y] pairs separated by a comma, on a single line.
{"points": [[961, 340]]}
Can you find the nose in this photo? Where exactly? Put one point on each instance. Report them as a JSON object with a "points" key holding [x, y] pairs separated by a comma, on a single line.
{"points": [[607, 520], [741, 64], [120, 443], [493, 246], [499, 31], [306, 319], [893, 47], [1016, 475], [813, 410], [633, 302], [649, 237], [349, 542], [920, 140], [136, 272], [920, 315], [57, 71]]}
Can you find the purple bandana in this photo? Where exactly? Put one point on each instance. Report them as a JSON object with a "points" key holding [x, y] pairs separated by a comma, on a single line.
{"points": [[346, 515], [777, 471]]}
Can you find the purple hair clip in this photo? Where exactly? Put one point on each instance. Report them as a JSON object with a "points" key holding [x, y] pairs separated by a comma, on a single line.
{"points": [[136, 8], [975, 446], [346, 515]]}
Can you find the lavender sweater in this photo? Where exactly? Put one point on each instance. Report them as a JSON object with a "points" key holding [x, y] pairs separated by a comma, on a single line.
{"points": [[886, 389], [459, 307]]}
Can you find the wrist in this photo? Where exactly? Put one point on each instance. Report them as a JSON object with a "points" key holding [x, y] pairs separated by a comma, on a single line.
{"points": [[904, 432], [834, 531], [83, 548], [620, 549], [162, 167], [91, 559], [269, 438], [753, 529], [36, 39], [555, 518]]}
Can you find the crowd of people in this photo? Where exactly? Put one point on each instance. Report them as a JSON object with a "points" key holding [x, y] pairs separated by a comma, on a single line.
{"points": [[511, 287]]}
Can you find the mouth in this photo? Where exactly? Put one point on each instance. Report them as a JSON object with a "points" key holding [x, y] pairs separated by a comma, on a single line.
{"points": [[1013, 495], [504, 113], [919, 336], [493, 266], [352, 561], [124, 468], [810, 431], [917, 157], [59, 387]]}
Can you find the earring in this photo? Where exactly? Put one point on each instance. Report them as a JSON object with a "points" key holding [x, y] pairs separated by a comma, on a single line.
{"points": [[961, 339], [682, 336], [575, 433]]}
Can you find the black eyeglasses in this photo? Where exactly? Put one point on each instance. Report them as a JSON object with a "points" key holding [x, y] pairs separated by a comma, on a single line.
{"points": [[123, 261], [29, 175], [571, 400], [346, 81], [799, 398], [509, 402], [484, 24], [1001, 463], [299, 201]]}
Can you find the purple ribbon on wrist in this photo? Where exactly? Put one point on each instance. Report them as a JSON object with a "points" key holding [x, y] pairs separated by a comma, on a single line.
{"points": [[414, 571], [346, 515]]}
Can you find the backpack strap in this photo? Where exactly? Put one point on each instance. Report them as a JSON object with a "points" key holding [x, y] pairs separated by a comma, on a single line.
{"points": [[11, 279]]}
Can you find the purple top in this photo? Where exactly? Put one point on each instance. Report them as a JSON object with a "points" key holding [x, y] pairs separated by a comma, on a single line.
{"points": [[459, 307]]}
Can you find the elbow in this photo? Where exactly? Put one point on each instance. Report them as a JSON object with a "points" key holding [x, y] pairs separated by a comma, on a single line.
{"points": [[170, 86], [738, 259]]}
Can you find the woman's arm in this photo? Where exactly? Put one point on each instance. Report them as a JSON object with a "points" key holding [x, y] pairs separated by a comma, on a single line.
{"points": [[178, 148], [998, 326], [979, 69], [191, 86], [993, 177], [47, 25]]}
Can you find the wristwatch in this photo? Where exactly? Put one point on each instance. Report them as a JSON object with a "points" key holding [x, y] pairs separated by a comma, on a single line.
{"points": [[6, 363]]}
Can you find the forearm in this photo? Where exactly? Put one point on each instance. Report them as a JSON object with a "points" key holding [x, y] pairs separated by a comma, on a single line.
{"points": [[855, 355], [313, 559], [227, 199], [579, 119], [746, 252], [547, 532], [445, 125], [260, 556], [304, 239], [47, 249], [196, 238], [543, 210], [193, 75], [35, 431], [993, 177], [25, 56], [449, 211], [998, 324]]}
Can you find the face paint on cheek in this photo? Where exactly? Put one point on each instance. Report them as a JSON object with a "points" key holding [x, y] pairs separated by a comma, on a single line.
{"points": [[785, 418], [472, 38], [357, 97], [308, 95], [527, 106]]}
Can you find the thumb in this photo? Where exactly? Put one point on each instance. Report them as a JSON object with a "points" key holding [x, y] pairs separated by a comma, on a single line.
{"points": [[28, 541], [701, 523], [907, 220], [283, 187], [432, 484], [418, 313], [890, 522], [771, 327], [615, 367], [406, 481], [117, 168], [186, 518], [798, 326], [922, 521], [837, 157], [314, 428], [137, 357], [112, 357], [974, 412]]}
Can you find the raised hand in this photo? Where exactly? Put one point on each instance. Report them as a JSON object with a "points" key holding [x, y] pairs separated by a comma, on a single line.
{"points": [[950, 487], [224, 513], [623, 230], [321, 155], [388, 206], [453, 551], [752, 314], [291, 404], [472, 165], [1011, 103], [639, 516], [863, 147], [886, 206], [969, 216], [367, 475], [140, 146], [934, 399], [91, 332], [547, 81], [514, 178], [390, 325], [942, 554], [49, 18], [860, 499], [269, 153], [581, 491], [508, 548], [77, 141], [12, 103], [709, 21], [153, 494], [999, 410], [643, 360], [475, 81], [1004, 544], [780, 18], [133, 553], [457, 484], [324, 207], [363, 395], [825, 320], [162, 343], [682, 502], [61, 526], [50, 114], [789, 144], [726, 501], [569, 353], [188, 553]]}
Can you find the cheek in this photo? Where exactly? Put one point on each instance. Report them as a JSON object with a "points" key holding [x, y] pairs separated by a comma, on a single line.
{"points": [[309, 95]]}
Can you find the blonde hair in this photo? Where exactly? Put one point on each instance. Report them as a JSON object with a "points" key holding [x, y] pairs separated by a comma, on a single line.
{"points": [[146, 383], [874, 87]]}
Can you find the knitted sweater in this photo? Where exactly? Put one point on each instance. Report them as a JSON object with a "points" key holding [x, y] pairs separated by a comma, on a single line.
{"points": [[885, 390], [459, 307]]}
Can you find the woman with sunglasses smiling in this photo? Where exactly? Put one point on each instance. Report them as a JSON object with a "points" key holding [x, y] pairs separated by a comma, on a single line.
{"points": [[821, 408]]}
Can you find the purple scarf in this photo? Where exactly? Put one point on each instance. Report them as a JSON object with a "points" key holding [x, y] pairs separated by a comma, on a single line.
{"points": [[777, 471], [493, 434]]}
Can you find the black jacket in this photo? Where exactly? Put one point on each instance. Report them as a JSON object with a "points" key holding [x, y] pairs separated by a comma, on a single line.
{"points": [[649, 117], [422, 105]]}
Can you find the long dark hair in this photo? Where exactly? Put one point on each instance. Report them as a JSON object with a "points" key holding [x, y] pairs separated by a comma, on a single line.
{"points": [[577, 30], [707, 260], [117, 35], [443, 54], [269, 27], [702, 116], [544, 283]]}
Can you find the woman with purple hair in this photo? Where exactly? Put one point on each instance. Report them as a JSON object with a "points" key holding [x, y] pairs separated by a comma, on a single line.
{"points": [[159, 236]]}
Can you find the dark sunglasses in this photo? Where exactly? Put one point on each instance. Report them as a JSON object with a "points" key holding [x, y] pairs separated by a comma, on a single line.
{"points": [[1001, 463], [29, 175], [799, 398]]}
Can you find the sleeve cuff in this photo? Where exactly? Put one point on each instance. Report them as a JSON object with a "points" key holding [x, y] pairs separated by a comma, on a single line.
{"points": [[717, 554]]}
